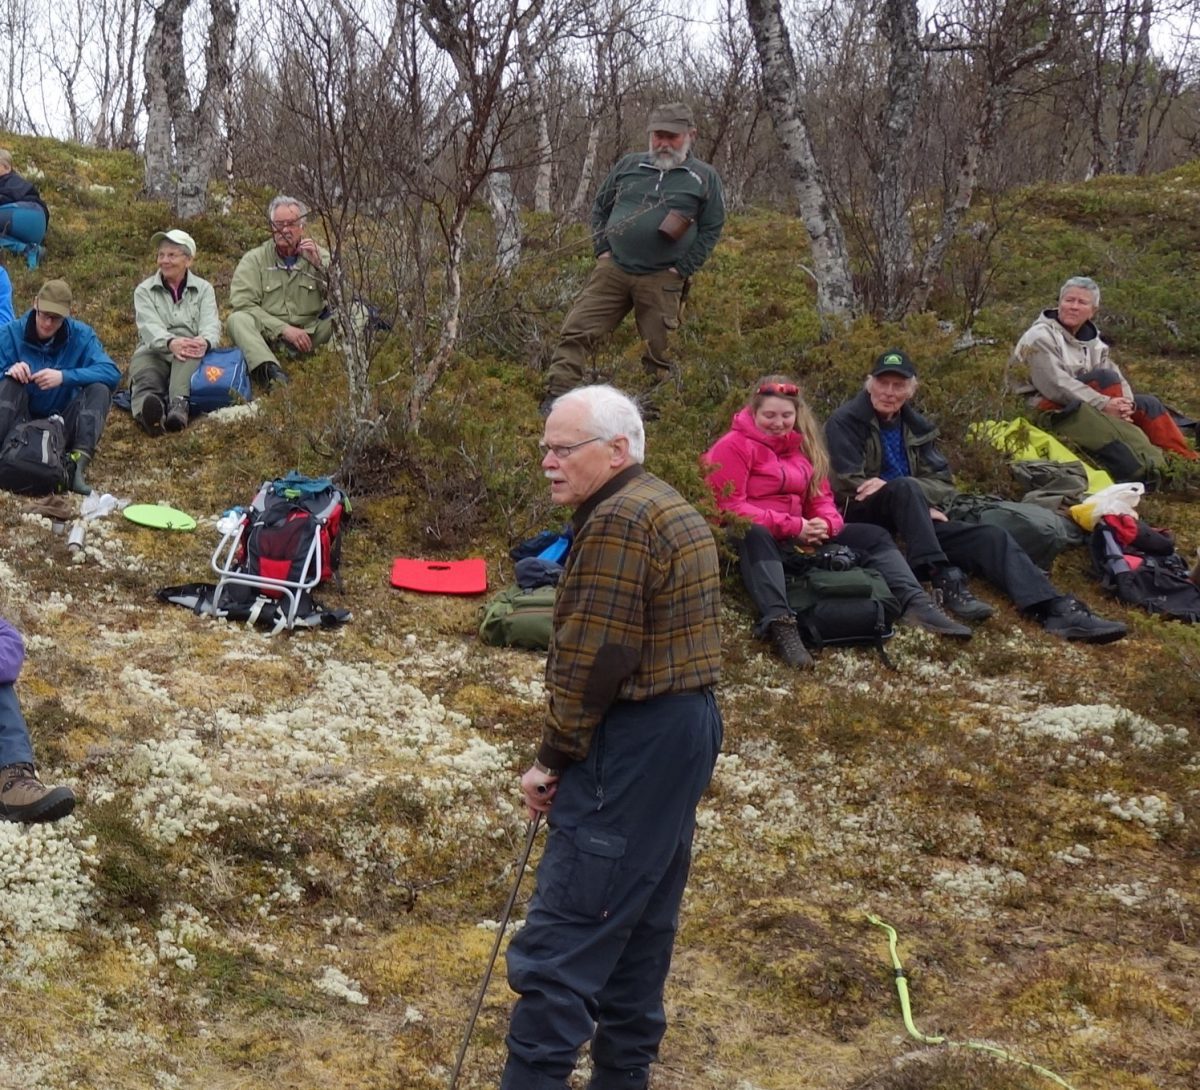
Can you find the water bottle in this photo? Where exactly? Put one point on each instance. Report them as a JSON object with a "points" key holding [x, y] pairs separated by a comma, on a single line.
{"points": [[76, 537], [229, 521]]}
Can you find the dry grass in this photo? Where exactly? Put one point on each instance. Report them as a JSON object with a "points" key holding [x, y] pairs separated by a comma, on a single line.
{"points": [[257, 813]]}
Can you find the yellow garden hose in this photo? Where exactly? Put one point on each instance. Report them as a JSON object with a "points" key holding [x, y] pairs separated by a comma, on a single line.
{"points": [[906, 1012]]}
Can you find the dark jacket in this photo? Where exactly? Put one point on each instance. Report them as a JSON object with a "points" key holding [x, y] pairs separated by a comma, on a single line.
{"points": [[632, 202], [14, 188], [856, 450]]}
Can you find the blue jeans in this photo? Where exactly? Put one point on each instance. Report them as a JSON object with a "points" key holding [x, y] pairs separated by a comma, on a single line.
{"points": [[15, 747], [592, 959], [24, 221]]}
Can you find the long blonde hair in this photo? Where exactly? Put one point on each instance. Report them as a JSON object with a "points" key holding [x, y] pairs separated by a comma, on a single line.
{"points": [[806, 424]]}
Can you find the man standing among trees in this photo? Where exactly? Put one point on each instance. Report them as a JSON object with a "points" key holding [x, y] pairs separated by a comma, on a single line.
{"points": [[629, 744], [655, 221], [278, 294]]}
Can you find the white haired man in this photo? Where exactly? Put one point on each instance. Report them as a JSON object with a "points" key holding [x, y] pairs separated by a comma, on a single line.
{"points": [[631, 736], [888, 470], [1074, 388], [278, 295]]}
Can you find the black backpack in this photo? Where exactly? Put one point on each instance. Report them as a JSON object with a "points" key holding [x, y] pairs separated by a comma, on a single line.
{"points": [[837, 600], [33, 459], [1146, 572]]}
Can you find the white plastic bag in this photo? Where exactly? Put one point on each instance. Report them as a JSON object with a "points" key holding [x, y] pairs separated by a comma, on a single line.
{"points": [[1116, 499]]}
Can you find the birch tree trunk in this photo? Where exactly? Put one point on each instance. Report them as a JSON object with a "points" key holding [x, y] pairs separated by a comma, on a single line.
{"points": [[1133, 102], [544, 178], [891, 212], [158, 153], [192, 134], [831, 261]]}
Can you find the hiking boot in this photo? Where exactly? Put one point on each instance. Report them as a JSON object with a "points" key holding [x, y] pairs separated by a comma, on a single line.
{"points": [[924, 614], [1070, 619], [23, 797], [177, 418], [788, 644], [78, 484], [952, 594], [151, 416], [274, 375]]}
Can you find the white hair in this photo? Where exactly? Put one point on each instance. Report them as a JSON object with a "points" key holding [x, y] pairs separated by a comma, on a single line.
{"points": [[279, 201], [610, 414], [912, 384], [1086, 283]]}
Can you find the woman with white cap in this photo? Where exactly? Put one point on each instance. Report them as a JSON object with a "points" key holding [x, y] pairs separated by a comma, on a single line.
{"points": [[177, 321]]}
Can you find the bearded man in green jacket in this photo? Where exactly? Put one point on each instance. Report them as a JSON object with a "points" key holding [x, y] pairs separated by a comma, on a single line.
{"points": [[279, 294]]}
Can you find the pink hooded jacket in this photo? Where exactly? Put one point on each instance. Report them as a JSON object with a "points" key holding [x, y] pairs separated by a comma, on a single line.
{"points": [[764, 479]]}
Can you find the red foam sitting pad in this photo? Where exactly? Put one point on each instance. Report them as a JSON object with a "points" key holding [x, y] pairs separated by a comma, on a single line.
{"points": [[440, 576]]}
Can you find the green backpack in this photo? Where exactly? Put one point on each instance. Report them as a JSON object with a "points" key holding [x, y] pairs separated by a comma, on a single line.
{"points": [[520, 618], [852, 605]]}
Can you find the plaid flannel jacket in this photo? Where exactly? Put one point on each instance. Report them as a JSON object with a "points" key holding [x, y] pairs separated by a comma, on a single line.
{"points": [[637, 609]]}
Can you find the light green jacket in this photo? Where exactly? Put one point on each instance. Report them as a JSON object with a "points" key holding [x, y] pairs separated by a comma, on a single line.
{"points": [[275, 295], [160, 319]]}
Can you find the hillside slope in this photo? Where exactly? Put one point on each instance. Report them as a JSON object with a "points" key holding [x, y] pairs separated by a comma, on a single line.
{"points": [[290, 852]]}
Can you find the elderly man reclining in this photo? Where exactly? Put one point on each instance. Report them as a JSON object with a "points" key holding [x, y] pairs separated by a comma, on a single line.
{"points": [[1075, 389], [888, 470]]}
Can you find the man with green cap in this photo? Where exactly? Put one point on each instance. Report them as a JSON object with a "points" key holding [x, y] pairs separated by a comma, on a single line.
{"points": [[55, 365], [177, 321], [655, 221]]}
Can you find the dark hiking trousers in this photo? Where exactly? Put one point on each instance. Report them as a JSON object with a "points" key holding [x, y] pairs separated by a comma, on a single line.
{"points": [[83, 418], [976, 548], [760, 558], [591, 961]]}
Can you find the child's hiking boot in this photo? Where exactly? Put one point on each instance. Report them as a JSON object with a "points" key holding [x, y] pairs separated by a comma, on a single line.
{"points": [[177, 415], [953, 595], [78, 484], [923, 613], [23, 797], [1070, 619], [785, 637]]}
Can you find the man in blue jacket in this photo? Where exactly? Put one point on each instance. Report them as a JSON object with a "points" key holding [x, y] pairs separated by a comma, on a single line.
{"points": [[55, 365]]}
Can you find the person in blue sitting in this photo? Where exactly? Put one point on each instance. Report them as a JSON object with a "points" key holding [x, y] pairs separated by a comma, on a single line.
{"points": [[6, 310], [54, 364], [23, 214]]}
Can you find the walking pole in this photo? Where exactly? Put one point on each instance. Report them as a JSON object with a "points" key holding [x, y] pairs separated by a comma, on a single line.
{"points": [[487, 976]]}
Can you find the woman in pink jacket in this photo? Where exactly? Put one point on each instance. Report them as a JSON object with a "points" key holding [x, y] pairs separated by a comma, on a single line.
{"points": [[771, 469]]}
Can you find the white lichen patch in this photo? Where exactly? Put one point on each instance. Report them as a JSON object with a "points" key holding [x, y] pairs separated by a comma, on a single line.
{"points": [[334, 982], [974, 889], [44, 883]]}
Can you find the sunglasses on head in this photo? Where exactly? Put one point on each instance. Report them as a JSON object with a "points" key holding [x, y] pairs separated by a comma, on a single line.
{"points": [[779, 389]]}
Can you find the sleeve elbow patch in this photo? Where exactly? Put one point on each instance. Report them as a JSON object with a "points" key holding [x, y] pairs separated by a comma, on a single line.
{"points": [[614, 662]]}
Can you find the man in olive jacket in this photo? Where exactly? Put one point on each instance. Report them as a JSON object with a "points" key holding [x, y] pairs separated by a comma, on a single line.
{"points": [[655, 221], [887, 470], [278, 294]]}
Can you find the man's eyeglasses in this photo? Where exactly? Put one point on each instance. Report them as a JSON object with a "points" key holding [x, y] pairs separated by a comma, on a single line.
{"points": [[284, 225], [779, 389], [561, 451], [46, 316]]}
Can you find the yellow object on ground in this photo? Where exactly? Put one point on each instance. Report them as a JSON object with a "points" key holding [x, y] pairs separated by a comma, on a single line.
{"points": [[1022, 441]]}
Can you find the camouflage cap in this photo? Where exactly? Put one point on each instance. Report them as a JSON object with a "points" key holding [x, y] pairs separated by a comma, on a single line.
{"points": [[673, 117]]}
